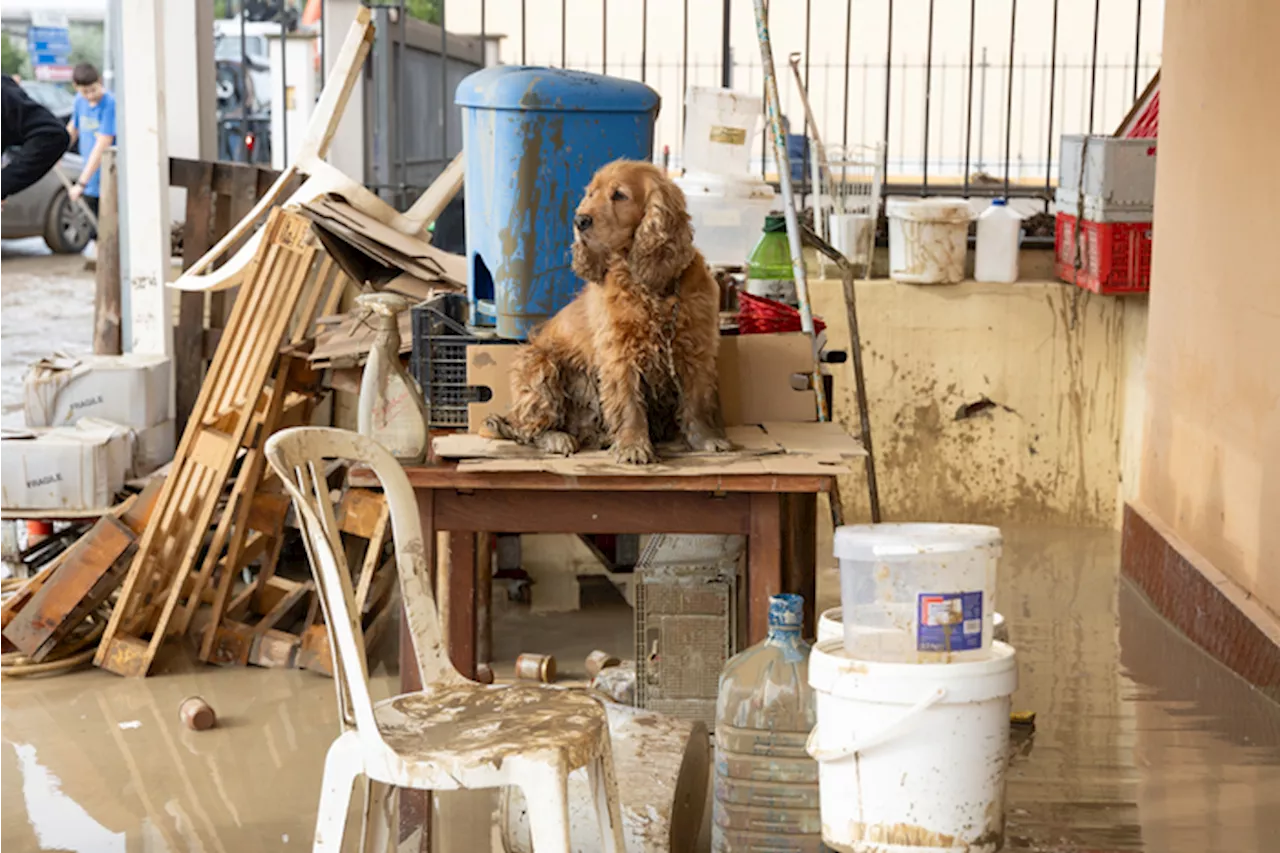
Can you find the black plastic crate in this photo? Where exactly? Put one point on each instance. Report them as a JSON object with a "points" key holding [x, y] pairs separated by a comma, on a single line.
{"points": [[439, 359]]}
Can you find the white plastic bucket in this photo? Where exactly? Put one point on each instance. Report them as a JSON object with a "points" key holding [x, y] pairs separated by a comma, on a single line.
{"points": [[831, 626], [918, 593], [911, 758], [928, 239], [719, 126], [727, 214]]}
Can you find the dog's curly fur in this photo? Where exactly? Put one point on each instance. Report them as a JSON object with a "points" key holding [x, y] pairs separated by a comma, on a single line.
{"points": [[631, 362]]}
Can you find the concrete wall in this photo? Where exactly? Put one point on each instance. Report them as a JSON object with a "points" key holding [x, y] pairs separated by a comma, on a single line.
{"points": [[1211, 459], [1053, 361]]}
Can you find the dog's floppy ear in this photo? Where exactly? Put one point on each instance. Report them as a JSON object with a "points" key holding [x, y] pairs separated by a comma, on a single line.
{"points": [[663, 243]]}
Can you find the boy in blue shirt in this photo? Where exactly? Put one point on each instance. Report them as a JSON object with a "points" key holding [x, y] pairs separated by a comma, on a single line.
{"points": [[92, 128]]}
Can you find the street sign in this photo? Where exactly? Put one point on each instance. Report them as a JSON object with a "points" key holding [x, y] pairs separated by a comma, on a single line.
{"points": [[49, 47]]}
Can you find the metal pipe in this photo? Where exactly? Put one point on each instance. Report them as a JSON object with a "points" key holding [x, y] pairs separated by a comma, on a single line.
{"points": [[888, 81], [484, 44], [848, 47], [808, 120], [524, 41], [968, 117], [444, 91], [284, 94], [244, 86], [820, 162], [928, 95], [1137, 46], [774, 114], [684, 82], [855, 350], [1008, 104], [644, 40], [604, 36], [398, 52], [564, 33]]}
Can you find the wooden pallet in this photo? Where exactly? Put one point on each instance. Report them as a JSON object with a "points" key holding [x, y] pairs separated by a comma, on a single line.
{"points": [[271, 296]]}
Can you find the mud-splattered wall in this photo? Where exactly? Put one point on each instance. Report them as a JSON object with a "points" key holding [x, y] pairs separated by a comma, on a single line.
{"points": [[990, 403]]}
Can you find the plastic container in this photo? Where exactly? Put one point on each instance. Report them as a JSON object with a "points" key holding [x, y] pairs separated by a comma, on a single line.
{"points": [[1113, 174], [533, 138], [999, 236], [853, 235], [1115, 257], [766, 785], [769, 270], [720, 125], [928, 239], [727, 214], [918, 593], [831, 626], [912, 758], [390, 409]]}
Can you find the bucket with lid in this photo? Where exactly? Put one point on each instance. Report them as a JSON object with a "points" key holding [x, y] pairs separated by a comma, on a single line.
{"points": [[719, 126], [831, 626], [928, 239], [911, 758], [918, 593]]}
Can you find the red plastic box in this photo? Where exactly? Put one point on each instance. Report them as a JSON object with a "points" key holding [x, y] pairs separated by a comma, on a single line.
{"points": [[1115, 256]]}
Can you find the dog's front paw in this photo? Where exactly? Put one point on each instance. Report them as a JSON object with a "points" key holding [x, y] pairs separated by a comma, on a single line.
{"points": [[714, 444], [634, 454], [557, 443]]}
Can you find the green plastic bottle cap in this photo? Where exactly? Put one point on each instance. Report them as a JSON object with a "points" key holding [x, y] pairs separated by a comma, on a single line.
{"points": [[774, 223]]}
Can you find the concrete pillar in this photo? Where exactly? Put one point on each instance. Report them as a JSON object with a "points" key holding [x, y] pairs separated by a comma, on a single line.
{"points": [[347, 151], [144, 189]]}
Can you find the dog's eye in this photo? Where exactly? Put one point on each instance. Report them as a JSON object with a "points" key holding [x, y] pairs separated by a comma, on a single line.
{"points": [[618, 196]]}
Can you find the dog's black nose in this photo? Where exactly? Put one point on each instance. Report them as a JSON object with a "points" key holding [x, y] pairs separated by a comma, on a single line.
{"points": [[582, 221]]}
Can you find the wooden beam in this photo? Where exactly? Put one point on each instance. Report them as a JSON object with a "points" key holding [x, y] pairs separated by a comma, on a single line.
{"points": [[106, 302], [592, 512]]}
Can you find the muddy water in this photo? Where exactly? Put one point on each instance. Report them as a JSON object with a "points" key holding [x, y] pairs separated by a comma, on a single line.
{"points": [[1142, 742], [46, 304]]}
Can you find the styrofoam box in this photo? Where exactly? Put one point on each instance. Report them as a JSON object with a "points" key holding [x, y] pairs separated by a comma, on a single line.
{"points": [[154, 447], [1119, 173], [1095, 211], [73, 468], [131, 390]]}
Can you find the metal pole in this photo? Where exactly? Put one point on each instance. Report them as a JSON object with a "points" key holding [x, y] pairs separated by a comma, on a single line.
{"points": [[928, 95], [284, 93], [982, 109], [1053, 90], [1093, 64], [684, 82], [774, 115], [604, 36], [1008, 104], [444, 93], [244, 85], [808, 120], [888, 83], [848, 47], [564, 33], [524, 42], [726, 57], [484, 43], [1137, 46], [644, 41], [968, 113]]}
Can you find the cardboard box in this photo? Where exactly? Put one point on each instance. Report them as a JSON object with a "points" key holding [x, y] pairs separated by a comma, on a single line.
{"points": [[79, 467], [131, 390], [154, 447]]}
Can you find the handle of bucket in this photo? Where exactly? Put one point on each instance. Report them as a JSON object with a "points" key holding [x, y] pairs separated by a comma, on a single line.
{"points": [[876, 738]]}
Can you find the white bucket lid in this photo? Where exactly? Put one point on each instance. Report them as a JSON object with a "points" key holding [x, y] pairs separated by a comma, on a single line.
{"points": [[727, 100], [834, 671], [905, 541], [936, 209], [712, 184]]}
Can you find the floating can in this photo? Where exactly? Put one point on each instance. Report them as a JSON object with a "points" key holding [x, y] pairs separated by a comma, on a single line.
{"points": [[196, 714], [598, 661], [531, 667]]}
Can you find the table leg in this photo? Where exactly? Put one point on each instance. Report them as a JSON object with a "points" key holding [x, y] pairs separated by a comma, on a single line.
{"points": [[415, 806], [460, 585], [800, 552], [764, 562], [484, 599]]}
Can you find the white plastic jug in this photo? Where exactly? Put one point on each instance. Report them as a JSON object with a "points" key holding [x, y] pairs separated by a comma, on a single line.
{"points": [[999, 234]]}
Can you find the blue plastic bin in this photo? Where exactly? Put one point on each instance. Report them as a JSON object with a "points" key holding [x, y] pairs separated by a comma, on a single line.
{"points": [[533, 138]]}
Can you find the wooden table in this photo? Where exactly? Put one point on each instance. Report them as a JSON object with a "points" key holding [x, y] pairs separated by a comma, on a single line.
{"points": [[777, 514]]}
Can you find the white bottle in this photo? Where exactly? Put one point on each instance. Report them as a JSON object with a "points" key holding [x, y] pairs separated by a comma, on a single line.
{"points": [[999, 233], [390, 409]]}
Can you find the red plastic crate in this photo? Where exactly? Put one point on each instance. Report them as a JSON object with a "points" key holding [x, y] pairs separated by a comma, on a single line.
{"points": [[1115, 256]]}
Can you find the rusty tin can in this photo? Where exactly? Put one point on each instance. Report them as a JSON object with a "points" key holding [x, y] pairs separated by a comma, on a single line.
{"points": [[196, 714], [598, 661], [531, 667], [484, 673]]}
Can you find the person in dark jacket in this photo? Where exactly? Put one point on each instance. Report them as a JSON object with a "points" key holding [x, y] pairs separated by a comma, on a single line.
{"points": [[39, 137]]}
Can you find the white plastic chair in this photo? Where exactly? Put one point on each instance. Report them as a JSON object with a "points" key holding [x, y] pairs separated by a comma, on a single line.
{"points": [[455, 733]]}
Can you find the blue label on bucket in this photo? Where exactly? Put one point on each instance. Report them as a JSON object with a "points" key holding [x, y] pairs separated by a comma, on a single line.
{"points": [[949, 622]]}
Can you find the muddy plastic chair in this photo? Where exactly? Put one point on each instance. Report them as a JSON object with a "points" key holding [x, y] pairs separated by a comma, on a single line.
{"points": [[455, 734]]}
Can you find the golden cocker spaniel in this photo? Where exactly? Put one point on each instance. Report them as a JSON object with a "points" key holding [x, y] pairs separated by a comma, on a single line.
{"points": [[631, 361]]}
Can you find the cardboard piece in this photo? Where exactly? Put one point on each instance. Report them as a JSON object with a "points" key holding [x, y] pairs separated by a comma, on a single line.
{"points": [[79, 467], [757, 374], [345, 341], [131, 390]]}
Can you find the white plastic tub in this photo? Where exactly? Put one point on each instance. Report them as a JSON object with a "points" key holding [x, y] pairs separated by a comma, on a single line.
{"points": [[727, 214], [719, 127], [928, 239], [911, 758], [918, 593], [831, 626]]}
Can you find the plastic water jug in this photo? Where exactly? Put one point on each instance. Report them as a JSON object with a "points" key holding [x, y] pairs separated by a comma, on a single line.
{"points": [[999, 233], [766, 785]]}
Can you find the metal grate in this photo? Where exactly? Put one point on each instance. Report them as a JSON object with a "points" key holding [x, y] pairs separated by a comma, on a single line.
{"points": [[685, 625]]}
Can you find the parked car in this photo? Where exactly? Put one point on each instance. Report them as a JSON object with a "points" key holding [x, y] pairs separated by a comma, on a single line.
{"points": [[44, 210], [55, 98]]}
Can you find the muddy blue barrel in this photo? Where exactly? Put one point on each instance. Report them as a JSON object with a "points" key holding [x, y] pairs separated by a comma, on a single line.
{"points": [[533, 138]]}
